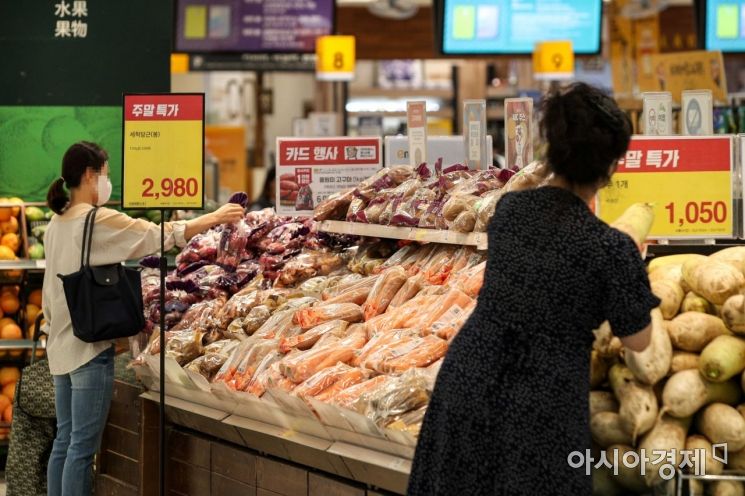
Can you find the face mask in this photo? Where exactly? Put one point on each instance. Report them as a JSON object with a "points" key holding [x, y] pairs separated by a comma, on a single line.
{"points": [[104, 190]]}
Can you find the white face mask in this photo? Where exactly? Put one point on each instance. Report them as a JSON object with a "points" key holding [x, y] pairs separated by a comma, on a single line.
{"points": [[104, 190]]}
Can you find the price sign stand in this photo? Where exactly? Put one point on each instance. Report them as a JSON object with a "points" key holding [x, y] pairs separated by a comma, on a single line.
{"points": [[163, 169], [688, 179]]}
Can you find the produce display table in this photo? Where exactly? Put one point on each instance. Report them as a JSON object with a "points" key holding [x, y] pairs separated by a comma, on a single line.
{"points": [[356, 467], [477, 239]]}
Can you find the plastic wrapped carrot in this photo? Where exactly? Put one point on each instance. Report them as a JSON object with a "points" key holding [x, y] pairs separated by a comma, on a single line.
{"points": [[300, 367], [427, 350], [308, 318], [321, 380], [386, 287], [347, 397], [347, 379], [307, 339]]}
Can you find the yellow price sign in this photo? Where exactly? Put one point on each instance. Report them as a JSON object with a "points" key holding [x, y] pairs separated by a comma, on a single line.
{"points": [[687, 178], [163, 145], [335, 58], [553, 60]]}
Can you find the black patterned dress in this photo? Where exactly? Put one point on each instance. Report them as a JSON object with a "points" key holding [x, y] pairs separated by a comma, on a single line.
{"points": [[511, 399]]}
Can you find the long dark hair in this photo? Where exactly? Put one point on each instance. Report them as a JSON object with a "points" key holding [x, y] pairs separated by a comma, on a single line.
{"points": [[80, 157], [586, 134]]}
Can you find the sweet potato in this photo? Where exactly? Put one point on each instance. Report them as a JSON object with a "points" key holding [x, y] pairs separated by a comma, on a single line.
{"points": [[722, 423], [638, 404], [671, 260], [687, 391], [671, 296], [716, 281], [696, 303], [668, 434], [723, 358], [602, 401], [692, 331], [698, 442], [683, 360], [653, 363], [606, 429]]}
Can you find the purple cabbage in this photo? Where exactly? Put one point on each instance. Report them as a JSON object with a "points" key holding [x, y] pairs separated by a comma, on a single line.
{"points": [[150, 262], [239, 198]]}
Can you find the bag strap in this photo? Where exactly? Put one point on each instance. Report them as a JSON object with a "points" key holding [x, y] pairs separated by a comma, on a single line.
{"points": [[90, 221]]}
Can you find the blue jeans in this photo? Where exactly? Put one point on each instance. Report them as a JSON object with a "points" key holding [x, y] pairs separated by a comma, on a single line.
{"points": [[82, 399]]}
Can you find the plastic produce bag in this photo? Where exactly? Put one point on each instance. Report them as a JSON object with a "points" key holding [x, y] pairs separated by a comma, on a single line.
{"points": [[184, 346], [314, 286], [410, 422], [357, 293], [263, 374], [378, 342], [349, 396], [321, 380], [347, 379], [339, 284], [277, 324], [300, 367], [425, 351], [307, 339], [232, 245], [485, 208], [308, 318], [238, 306], [309, 264], [254, 362], [334, 207], [457, 204], [406, 393], [215, 356], [409, 290], [243, 327], [385, 288], [229, 368]]}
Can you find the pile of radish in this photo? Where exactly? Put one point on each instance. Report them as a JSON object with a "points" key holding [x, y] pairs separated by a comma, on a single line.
{"points": [[685, 391]]}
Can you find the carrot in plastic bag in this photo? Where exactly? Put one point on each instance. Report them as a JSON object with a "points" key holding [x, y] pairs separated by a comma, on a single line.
{"points": [[398, 347], [307, 339], [251, 362], [348, 396], [347, 379], [321, 380], [338, 285], [383, 292], [278, 323], [451, 322], [379, 342], [419, 259], [429, 349], [424, 319], [401, 258], [438, 267], [300, 367], [406, 393], [356, 294], [411, 287], [308, 318], [269, 372], [229, 368]]}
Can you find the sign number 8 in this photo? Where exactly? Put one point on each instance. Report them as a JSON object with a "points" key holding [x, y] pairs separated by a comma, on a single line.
{"points": [[338, 60]]}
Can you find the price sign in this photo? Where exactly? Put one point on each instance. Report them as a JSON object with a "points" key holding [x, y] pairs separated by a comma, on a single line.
{"points": [[163, 145], [687, 178], [335, 58], [312, 169]]}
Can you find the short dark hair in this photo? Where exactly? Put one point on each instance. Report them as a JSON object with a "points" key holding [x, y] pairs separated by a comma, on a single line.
{"points": [[78, 158], [586, 134]]}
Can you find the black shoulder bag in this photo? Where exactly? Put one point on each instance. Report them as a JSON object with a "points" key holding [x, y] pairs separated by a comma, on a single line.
{"points": [[105, 302]]}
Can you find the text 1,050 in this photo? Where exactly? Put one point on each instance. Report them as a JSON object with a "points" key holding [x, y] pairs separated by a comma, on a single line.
{"points": [[704, 212], [177, 187]]}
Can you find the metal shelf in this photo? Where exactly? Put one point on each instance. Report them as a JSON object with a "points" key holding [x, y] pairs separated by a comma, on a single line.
{"points": [[479, 240], [23, 264], [400, 93], [19, 344]]}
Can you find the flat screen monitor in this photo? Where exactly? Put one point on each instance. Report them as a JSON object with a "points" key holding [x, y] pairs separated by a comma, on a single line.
{"points": [[725, 25], [513, 27], [252, 26]]}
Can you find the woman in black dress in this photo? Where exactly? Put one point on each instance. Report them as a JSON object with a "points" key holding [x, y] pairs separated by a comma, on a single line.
{"points": [[511, 399]]}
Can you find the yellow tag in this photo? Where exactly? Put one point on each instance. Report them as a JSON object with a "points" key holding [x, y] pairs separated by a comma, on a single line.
{"points": [[163, 151], [553, 60], [335, 58]]}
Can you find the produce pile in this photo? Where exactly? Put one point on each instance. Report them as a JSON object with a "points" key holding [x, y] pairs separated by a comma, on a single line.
{"points": [[363, 328], [454, 198], [685, 391]]}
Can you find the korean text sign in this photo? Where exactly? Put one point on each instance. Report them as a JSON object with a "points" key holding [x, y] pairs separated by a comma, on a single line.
{"points": [[687, 178], [163, 156], [311, 170]]}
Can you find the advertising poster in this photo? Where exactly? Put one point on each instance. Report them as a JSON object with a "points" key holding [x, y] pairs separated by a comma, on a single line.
{"points": [[312, 169], [474, 131], [416, 121], [518, 146], [676, 72]]}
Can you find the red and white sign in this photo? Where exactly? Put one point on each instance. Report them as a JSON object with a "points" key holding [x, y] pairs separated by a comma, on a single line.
{"points": [[175, 107], [311, 170], [684, 154]]}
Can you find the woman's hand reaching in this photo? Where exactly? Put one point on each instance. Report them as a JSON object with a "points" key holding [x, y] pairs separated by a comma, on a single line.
{"points": [[228, 214]]}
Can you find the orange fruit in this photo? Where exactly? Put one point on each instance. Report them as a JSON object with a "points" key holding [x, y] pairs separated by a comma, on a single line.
{"points": [[34, 297], [8, 413], [5, 321], [11, 331], [5, 212], [9, 303], [9, 226], [8, 375], [11, 241], [4, 402], [15, 290], [32, 311], [9, 390], [6, 253], [15, 211]]}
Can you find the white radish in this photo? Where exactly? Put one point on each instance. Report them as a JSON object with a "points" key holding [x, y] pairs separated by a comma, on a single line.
{"points": [[686, 392], [653, 363], [716, 281], [683, 360], [696, 303], [712, 465], [733, 313], [692, 331], [602, 401], [606, 429], [722, 423], [671, 296], [723, 358], [638, 404], [668, 434]]}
